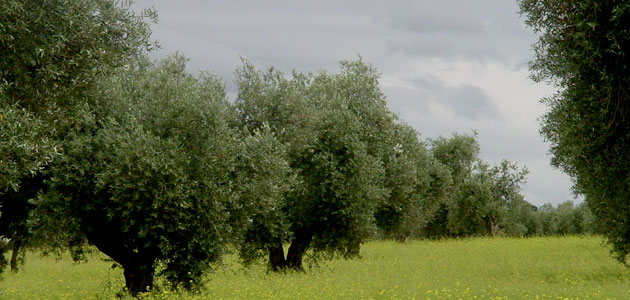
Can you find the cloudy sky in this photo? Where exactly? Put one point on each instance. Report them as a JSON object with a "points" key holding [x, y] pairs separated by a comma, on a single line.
{"points": [[447, 65]]}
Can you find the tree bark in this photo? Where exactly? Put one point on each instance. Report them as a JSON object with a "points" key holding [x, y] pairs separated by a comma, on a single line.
{"points": [[138, 265], [489, 228], [295, 255], [17, 243], [276, 258], [353, 250], [138, 278], [298, 247]]}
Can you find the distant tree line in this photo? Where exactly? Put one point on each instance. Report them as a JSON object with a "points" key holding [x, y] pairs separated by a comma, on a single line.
{"points": [[480, 200], [156, 168]]}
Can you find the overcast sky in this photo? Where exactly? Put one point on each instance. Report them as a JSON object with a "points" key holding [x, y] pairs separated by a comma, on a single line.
{"points": [[447, 65]]}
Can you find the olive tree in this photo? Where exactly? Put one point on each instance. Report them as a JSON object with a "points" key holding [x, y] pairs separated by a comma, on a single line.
{"points": [[481, 194], [583, 220], [416, 185], [522, 219], [458, 154], [51, 53], [506, 179], [583, 50], [481, 204], [468, 210], [270, 100], [159, 178], [333, 127], [566, 219]]}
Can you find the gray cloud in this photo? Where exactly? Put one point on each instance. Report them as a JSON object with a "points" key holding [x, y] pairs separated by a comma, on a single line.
{"points": [[319, 33], [466, 101], [485, 30], [443, 46]]}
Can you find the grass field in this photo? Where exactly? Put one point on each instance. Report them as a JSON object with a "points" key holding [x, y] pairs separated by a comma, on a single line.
{"points": [[481, 268]]}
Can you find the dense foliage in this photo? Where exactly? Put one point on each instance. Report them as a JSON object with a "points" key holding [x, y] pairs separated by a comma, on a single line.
{"points": [[480, 196], [583, 49], [150, 183], [52, 50], [417, 184], [51, 54], [333, 126]]}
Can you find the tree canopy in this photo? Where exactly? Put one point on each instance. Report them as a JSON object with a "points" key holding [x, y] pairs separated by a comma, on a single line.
{"points": [[416, 184], [159, 183], [52, 50], [480, 196], [333, 125], [583, 50], [51, 55]]}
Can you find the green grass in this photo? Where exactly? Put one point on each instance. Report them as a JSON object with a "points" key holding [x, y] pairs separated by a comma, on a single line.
{"points": [[481, 268]]}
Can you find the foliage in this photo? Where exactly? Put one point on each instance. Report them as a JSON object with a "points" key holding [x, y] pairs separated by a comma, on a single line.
{"points": [[25, 152], [152, 182], [522, 219], [52, 50], [584, 220], [263, 178], [468, 209], [505, 182], [416, 183], [333, 126], [156, 169], [480, 196], [25, 147], [459, 153], [268, 101], [566, 219], [583, 50], [51, 53]]}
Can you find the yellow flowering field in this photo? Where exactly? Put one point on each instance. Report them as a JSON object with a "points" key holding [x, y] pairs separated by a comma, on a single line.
{"points": [[479, 268]]}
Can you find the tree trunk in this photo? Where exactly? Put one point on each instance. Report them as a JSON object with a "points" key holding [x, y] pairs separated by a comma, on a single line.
{"points": [[353, 249], [295, 255], [17, 243], [138, 279], [138, 265], [489, 228], [401, 238], [298, 247], [276, 258], [492, 227]]}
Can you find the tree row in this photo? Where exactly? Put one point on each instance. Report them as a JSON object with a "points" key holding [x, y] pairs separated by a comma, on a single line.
{"points": [[159, 170]]}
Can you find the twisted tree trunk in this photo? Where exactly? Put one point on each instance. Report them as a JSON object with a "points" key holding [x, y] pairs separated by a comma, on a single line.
{"points": [[138, 264], [299, 245], [277, 262]]}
